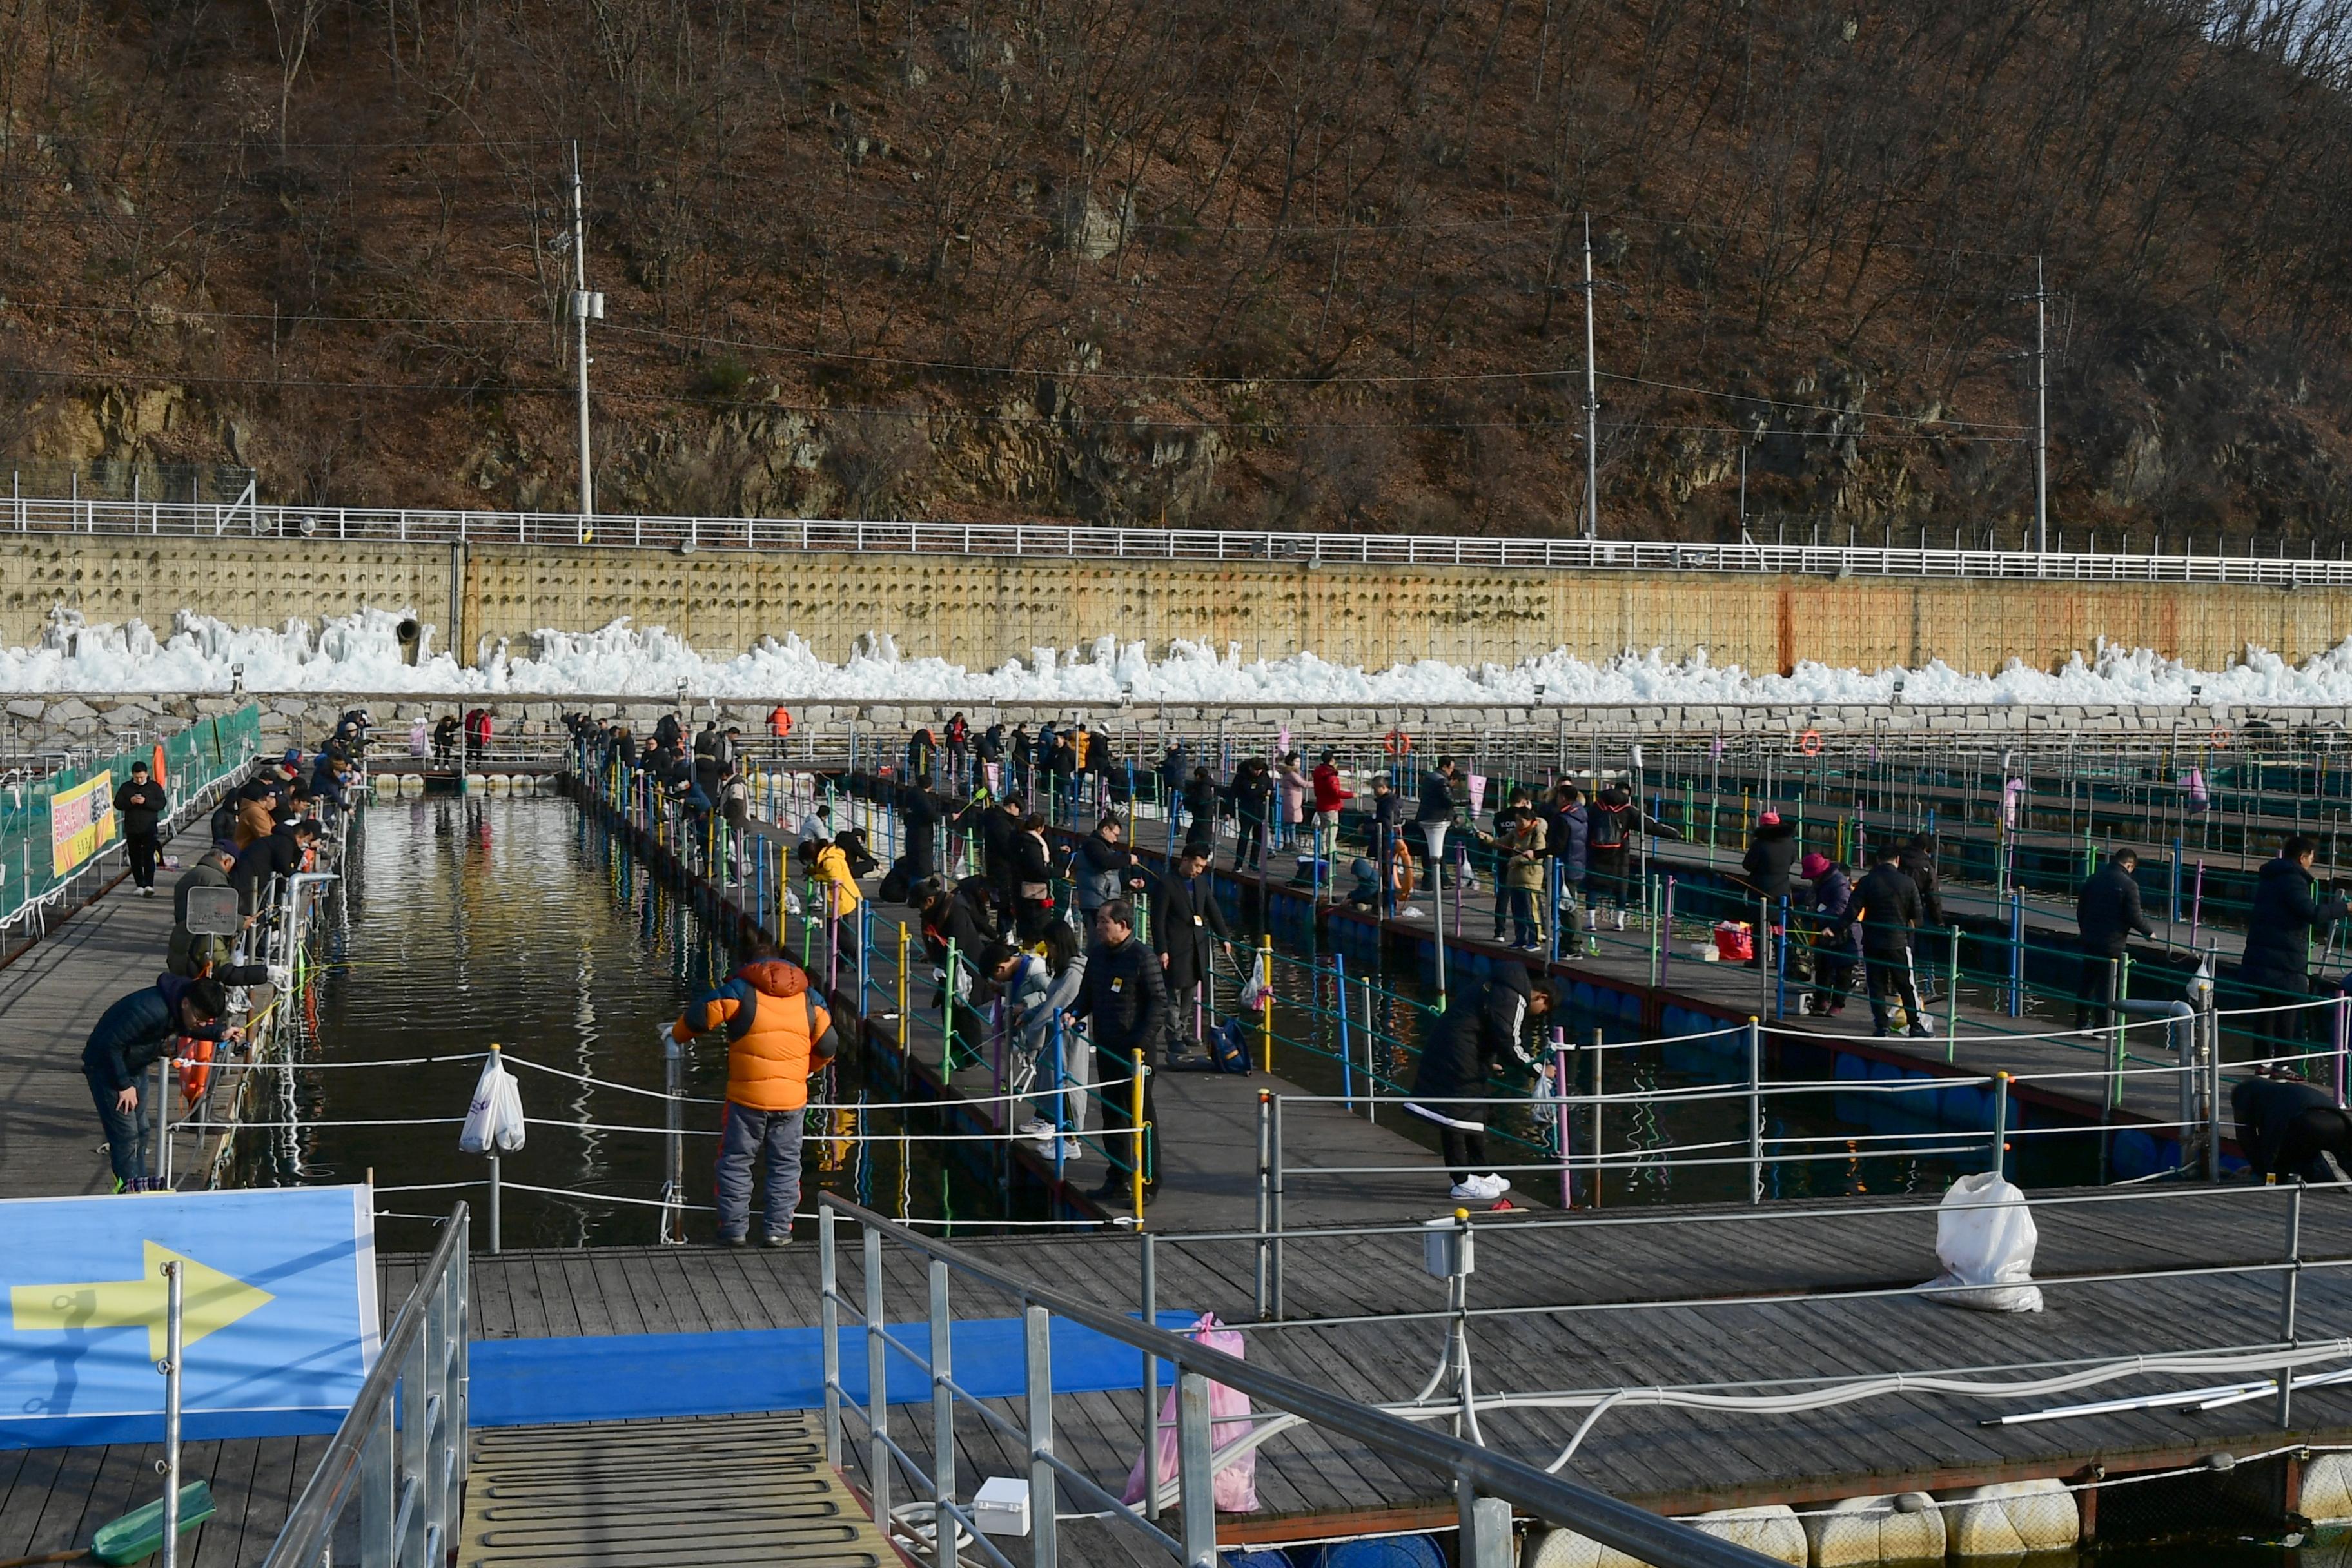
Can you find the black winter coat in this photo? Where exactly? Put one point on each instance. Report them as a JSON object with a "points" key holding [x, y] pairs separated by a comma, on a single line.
{"points": [[2106, 911], [2278, 928], [141, 807], [1253, 787], [1437, 801], [1123, 999], [272, 854], [1567, 831], [2264, 1107], [133, 1032], [1770, 858], [1479, 1031], [1886, 906], [1184, 916], [1919, 865]]}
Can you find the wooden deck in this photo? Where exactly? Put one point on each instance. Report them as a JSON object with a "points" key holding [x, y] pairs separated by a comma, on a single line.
{"points": [[52, 1498], [50, 1142], [1631, 1304], [1622, 1304]]}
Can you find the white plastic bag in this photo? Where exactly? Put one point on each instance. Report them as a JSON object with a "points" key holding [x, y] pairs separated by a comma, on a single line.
{"points": [[1985, 1236], [494, 1120], [1255, 990]]}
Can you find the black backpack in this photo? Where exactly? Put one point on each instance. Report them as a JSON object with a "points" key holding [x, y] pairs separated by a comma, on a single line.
{"points": [[898, 883]]}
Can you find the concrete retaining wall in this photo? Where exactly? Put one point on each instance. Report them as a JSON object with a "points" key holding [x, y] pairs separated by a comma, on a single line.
{"points": [[980, 611]]}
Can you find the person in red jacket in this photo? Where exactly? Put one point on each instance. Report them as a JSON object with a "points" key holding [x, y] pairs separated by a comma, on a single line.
{"points": [[1329, 798]]}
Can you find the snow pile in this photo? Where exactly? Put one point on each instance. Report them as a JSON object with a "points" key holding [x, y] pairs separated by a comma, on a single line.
{"points": [[362, 653]]}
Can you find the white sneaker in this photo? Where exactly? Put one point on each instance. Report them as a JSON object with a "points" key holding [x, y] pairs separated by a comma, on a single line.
{"points": [[1472, 1191], [1495, 1185], [1071, 1149], [1037, 1127]]}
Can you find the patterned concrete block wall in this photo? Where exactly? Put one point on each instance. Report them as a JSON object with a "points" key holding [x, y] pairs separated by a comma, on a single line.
{"points": [[247, 582], [982, 612]]}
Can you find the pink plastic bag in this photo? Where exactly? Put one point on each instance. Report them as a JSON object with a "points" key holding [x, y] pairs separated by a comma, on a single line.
{"points": [[1236, 1484]]}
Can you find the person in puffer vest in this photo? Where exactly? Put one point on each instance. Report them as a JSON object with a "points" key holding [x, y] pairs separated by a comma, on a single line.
{"points": [[779, 1034]]}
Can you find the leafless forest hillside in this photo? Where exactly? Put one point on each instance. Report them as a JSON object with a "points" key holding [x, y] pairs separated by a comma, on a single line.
{"points": [[1312, 264]]}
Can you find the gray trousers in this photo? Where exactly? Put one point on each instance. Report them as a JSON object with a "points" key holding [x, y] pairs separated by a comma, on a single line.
{"points": [[744, 1133]]}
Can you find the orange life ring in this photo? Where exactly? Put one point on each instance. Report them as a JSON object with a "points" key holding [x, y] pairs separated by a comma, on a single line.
{"points": [[195, 1071], [779, 722], [1401, 875], [1397, 743], [1809, 742], [2221, 738]]}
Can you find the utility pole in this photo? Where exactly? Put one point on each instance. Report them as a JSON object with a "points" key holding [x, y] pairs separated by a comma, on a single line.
{"points": [[1592, 403], [585, 306], [2041, 413], [1743, 490]]}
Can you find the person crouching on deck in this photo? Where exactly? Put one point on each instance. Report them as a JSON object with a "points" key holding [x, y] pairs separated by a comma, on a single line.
{"points": [[779, 1034]]}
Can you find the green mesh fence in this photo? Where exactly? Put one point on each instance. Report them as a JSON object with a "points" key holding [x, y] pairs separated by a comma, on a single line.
{"points": [[51, 828]]}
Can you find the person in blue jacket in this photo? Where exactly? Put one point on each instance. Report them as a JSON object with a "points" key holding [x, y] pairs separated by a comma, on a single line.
{"points": [[131, 1034]]}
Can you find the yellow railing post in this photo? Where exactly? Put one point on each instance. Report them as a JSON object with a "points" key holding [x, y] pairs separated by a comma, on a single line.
{"points": [[1265, 974], [1142, 1136], [902, 987]]}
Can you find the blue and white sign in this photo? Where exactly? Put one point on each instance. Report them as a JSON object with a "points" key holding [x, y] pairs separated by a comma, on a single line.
{"points": [[279, 1322]]}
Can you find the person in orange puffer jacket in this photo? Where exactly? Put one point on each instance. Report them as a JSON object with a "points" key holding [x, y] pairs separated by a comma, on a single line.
{"points": [[779, 1034]]}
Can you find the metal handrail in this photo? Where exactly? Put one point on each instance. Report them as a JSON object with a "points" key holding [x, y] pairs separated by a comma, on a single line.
{"points": [[1482, 1478], [411, 1496], [91, 515]]}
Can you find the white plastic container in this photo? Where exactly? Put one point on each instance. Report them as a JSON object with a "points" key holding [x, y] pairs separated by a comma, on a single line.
{"points": [[1000, 1506]]}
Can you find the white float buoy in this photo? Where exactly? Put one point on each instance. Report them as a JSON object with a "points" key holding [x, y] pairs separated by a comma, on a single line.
{"points": [[2009, 1518]]}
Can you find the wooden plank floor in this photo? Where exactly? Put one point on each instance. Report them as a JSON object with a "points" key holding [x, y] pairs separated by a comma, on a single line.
{"points": [[1611, 1302], [50, 1000], [52, 1498]]}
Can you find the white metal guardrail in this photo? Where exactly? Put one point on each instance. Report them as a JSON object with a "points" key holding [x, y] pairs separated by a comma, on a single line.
{"points": [[1490, 1486], [246, 518], [401, 1451]]}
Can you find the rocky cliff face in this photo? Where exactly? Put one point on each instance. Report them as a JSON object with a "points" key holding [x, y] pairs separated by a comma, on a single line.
{"points": [[1318, 264]]}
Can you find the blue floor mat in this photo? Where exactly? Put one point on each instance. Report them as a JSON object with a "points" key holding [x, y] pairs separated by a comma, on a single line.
{"points": [[613, 1377]]}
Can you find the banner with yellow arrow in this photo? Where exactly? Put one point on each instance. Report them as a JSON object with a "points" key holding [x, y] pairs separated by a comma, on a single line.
{"points": [[279, 1319]]}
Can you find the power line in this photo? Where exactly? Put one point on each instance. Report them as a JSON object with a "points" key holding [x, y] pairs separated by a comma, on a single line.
{"points": [[981, 416], [1190, 378]]}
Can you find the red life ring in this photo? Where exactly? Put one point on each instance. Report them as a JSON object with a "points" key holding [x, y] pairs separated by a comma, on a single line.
{"points": [[1809, 742], [1397, 743], [2221, 738]]}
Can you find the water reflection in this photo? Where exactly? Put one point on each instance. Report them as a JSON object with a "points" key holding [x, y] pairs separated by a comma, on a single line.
{"points": [[518, 922]]}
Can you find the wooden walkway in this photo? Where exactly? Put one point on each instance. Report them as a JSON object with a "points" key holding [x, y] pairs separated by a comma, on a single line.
{"points": [[1631, 1304], [1710, 1299], [1207, 1122], [50, 1140], [52, 1498]]}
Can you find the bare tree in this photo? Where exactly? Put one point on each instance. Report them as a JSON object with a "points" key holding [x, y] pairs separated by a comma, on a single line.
{"points": [[294, 24]]}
